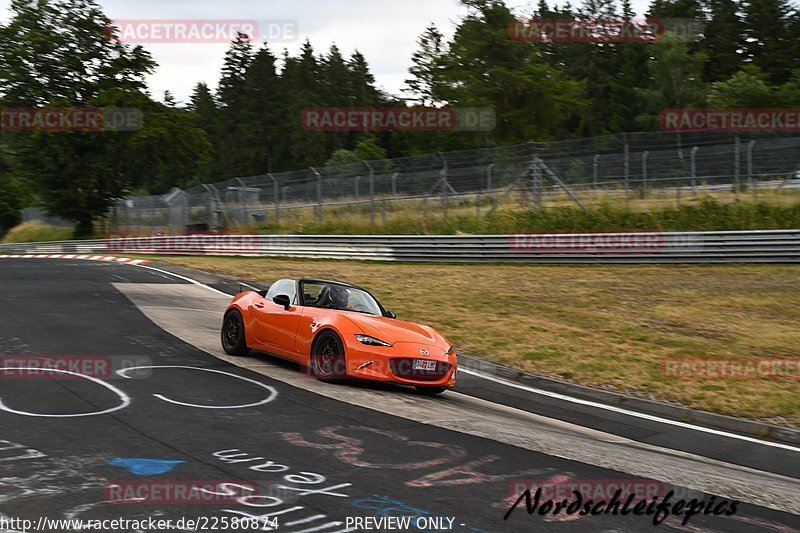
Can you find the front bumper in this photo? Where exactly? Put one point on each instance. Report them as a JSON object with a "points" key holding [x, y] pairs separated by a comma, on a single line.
{"points": [[395, 364]]}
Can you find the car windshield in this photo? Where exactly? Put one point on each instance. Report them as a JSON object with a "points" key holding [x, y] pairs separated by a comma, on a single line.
{"points": [[341, 297]]}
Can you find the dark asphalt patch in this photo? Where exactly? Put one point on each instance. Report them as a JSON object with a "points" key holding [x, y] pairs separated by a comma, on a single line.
{"points": [[730, 450], [311, 461]]}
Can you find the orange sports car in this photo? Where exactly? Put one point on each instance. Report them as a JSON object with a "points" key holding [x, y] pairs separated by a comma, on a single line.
{"points": [[338, 331]]}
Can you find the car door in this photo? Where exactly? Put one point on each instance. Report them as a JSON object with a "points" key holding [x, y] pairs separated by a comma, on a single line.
{"points": [[276, 326], [312, 318]]}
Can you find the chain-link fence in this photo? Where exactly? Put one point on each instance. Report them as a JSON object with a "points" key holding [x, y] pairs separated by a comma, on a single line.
{"points": [[646, 167]]}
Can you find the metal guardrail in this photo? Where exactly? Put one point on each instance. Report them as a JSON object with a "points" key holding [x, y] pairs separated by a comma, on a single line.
{"points": [[778, 246]]}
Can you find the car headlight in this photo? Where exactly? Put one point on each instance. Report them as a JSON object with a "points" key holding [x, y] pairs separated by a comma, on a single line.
{"points": [[371, 341], [450, 351]]}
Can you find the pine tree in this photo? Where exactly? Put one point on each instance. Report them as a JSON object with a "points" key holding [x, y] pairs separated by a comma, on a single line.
{"points": [[543, 9], [300, 89], [237, 60], [336, 90], [264, 117], [203, 105], [169, 99], [675, 9], [336, 87], [723, 40], [362, 82], [772, 40], [484, 68], [427, 68], [234, 117]]}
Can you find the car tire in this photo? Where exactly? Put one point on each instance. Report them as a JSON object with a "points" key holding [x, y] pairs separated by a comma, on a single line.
{"points": [[232, 334], [431, 391], [327, 357]]}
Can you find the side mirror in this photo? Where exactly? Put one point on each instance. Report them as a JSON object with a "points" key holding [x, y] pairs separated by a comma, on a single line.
{"points": [[283, 300], [391, 314]]}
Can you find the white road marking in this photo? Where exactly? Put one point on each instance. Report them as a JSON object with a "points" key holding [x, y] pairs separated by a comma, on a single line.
{"points": [[124, 398], [564, 397], [627, 412], [482, 418], [184, 278], [272, 392]]}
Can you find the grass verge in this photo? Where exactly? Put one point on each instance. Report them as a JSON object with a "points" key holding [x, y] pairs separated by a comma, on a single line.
{"points": [[718, 212], [607, 327], [36, 232]]}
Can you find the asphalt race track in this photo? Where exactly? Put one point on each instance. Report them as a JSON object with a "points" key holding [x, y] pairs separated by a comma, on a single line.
{"points": [[257, 437]]}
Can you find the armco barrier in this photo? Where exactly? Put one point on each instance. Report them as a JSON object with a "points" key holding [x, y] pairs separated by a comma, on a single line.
{"points": [[779, 246]]}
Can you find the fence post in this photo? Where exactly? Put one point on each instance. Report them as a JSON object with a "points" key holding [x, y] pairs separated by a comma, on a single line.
{"points": [[275, 199], [124, 203], [489, 177], [285, 205], [137, 208], [595, 164], [445, 186], [319, 194], [242, 200], [736, 158], [693, 160], [211, 206], [371, 194], [358, 196], [750, 179], [626, 163], [394, 183], [645, 155], [537, 183]]}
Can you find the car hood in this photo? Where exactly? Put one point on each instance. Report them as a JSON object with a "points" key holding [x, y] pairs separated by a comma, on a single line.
{"points": [[392, 330]]}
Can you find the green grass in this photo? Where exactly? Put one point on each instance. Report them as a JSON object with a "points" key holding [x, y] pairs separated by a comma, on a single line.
{"points": [[36, 232], [603, 326], [723, 211]]}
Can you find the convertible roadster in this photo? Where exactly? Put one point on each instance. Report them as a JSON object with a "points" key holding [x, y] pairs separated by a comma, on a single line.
{"points": [[338, 331]]}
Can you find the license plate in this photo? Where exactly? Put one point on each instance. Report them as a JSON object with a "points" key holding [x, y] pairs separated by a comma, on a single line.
{"points": [[424, 364]]}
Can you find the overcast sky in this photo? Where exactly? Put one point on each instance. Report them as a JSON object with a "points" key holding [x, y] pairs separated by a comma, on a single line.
{"points": [[385, 31]]}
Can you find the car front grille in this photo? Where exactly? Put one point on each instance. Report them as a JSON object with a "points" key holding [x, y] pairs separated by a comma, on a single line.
{"points": [[402, 367]]}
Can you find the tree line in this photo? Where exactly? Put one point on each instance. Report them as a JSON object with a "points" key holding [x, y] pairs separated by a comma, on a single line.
{"points": [[746, 53]]}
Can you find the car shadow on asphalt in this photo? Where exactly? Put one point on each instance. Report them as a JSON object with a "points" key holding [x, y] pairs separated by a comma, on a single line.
{"points": [[347, 382]]}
